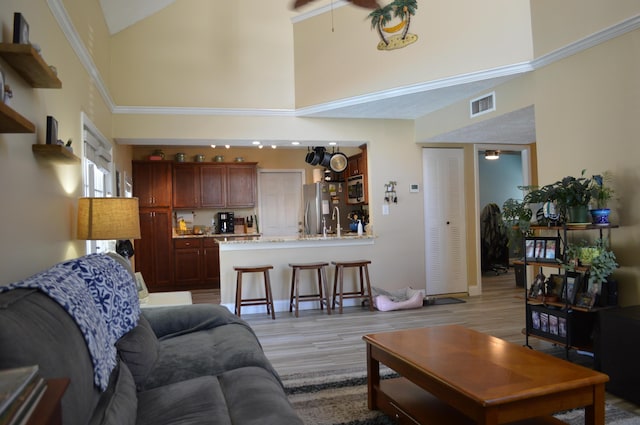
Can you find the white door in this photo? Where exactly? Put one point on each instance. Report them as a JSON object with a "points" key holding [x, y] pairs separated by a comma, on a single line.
{"points": [[444, 215], [280, 194]]}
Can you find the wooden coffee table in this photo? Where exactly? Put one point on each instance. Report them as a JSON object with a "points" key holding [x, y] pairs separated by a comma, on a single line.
{"points": [[454, 375]]}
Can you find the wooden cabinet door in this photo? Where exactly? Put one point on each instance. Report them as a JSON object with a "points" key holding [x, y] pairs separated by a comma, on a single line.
{"points": [[154, 251], [211, 263], [213, 186], [186, 186], [188, 266], [241, 185], [152, 183]]}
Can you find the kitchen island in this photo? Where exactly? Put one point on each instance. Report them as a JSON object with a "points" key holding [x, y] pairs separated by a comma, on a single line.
{"points": [[279, 252]]}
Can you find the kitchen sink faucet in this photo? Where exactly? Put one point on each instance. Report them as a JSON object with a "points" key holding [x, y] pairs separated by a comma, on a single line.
{"points": [[333, 217]]}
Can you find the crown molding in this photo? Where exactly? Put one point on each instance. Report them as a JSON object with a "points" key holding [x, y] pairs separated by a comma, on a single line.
{"points": [[592, 40], [161, 110], [62, 17], [318, 11]]}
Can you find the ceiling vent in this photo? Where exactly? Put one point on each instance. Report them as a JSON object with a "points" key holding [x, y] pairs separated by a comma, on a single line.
{"points": [[482, 105]]}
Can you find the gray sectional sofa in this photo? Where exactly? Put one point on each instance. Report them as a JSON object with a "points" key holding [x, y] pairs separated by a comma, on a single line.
{"points": [[196, 364]]}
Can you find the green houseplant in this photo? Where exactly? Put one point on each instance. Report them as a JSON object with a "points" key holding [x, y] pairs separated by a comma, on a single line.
{"points": [[570, 195], [601, 193]]}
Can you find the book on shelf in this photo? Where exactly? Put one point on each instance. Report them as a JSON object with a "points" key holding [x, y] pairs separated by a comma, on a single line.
{"points": [[20, 390]]}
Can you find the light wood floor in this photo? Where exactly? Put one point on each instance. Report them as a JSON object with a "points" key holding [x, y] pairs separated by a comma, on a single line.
{"points": [[316, 341]]}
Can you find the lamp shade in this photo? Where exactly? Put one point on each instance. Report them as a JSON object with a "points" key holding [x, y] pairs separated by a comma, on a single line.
{"points": [[108, 218]]}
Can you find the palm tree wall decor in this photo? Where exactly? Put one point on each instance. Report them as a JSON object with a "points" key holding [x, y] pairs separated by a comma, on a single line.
{"points": [[381, 16]]}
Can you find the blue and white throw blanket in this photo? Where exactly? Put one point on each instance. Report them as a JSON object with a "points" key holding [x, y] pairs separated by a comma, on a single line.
{"points": [[106, 311]]}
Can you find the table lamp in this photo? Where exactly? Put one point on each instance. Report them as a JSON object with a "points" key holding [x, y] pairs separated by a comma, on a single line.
{"points": [[109, 219]]}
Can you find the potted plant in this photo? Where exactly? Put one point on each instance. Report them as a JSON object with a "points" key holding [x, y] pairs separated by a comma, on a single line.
{"points": [[601, 192], [570, 196]]}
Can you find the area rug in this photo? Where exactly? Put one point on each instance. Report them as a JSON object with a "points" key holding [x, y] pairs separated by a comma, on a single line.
{"points": [[340, 398], [448, 300]]}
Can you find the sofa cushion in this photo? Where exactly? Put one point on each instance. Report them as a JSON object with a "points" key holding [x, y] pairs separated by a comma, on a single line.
{"points": [[191, 402], [255, 397], [139, 349], [210, 352], [118, 405]]}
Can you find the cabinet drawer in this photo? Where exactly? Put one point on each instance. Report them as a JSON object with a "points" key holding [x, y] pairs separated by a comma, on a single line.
{"points": [[187, 243], [209, 243]]}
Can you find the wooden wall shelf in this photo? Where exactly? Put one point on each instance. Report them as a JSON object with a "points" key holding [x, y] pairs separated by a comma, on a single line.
{"points": [[29, 64], [13, 122], [55, 153]]}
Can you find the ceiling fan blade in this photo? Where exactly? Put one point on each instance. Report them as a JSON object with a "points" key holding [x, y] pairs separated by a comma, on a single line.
{"points": [[299, 3], [369, 4]]}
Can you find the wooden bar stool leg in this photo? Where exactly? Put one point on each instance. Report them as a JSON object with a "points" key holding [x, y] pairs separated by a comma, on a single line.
{"points": [[319, 273], [326, 290], [293, 281], [366, 273], [297, 284], [238, 293], [267, 281], [341, 283]]}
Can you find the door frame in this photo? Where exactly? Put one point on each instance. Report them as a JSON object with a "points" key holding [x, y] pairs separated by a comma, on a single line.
{"points": [[525, 155]]}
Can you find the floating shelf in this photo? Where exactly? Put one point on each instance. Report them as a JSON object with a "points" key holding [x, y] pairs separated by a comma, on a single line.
{"points": [[13, 122], [55, 153], [29, 65]]}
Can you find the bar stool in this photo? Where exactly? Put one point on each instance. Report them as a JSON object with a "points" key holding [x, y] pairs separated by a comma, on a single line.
{"points": [[338, 284], [268, 298], [296, 298]]}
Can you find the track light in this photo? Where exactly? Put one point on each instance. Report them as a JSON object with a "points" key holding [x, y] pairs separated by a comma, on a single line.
{"points": [[491, 154]]}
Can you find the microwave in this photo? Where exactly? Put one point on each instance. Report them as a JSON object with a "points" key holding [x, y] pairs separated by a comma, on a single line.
{"points": [[355, 189]]}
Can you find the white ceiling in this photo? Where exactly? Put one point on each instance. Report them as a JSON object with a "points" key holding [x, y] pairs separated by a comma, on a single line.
{"points": [[404, 103]]}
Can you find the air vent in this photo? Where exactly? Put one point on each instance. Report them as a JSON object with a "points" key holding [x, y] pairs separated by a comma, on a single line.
{"points": [[482, 105]]}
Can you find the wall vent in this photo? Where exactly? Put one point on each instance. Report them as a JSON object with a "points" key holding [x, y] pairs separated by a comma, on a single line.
{"points": [[483, 104]]}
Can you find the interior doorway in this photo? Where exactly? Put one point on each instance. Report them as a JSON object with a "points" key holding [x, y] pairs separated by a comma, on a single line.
{"points": [[280, 193], [496, 181]]}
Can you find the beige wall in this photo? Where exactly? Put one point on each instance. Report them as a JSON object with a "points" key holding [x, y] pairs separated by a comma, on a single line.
{"points": [[581, 102], [452, 40], [38, 196], [204, 53]]}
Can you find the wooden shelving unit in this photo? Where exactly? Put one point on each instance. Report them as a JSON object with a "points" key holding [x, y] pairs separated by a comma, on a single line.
{"points": [[13, 122], [55, 153], [27, 62]]}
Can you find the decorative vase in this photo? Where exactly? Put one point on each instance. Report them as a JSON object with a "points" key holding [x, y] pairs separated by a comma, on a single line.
{"points": [[600, 216], [578, 214]]}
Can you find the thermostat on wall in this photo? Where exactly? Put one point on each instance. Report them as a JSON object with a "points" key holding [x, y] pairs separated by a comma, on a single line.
{"points": [[413, 187]]}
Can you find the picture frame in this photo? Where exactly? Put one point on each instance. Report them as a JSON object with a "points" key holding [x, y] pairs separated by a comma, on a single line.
{"points": [[553, 285], [562, 327], [143, 292], [571, 287], [535, 319], [553, 325], [20, 29], [537, 287], [542, 248], [52, 130]]}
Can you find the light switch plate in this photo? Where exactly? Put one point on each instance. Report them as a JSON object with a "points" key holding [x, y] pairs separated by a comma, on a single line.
{"points": [[385, 209]]}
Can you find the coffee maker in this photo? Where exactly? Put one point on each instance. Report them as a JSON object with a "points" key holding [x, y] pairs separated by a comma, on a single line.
{"points": [[225, 222]]}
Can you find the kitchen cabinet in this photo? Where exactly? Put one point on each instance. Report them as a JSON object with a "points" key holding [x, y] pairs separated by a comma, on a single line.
{"points": [[211, 251], [186, 186], [196, 263], [153, 251], [152, 183], [357, 165], [188, 262], [214, 185], [213, 180], [241, 185]]}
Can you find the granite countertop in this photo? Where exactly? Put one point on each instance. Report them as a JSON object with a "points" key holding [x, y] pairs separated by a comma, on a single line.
{"points": [[306, 238], [218, 235]]}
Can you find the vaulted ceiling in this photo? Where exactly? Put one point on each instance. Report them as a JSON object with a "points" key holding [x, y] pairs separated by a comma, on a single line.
{"points": [[405, 104]]}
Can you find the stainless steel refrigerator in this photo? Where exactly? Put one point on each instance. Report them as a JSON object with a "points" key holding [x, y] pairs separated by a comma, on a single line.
{"points": [[319, 201]]}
